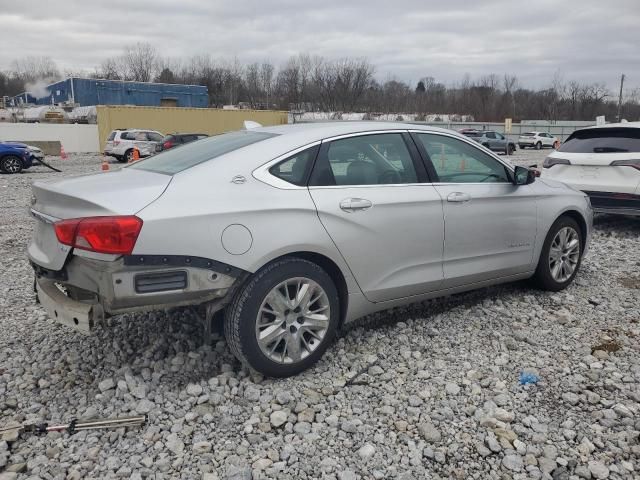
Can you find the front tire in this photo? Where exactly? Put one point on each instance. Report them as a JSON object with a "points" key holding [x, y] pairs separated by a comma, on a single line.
{"points": [[11, 164], [561, 255], [539, 146], [284, 318], [128, 156]]}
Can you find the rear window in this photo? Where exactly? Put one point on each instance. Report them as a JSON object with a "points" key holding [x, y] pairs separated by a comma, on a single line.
{"points": [[176, 160], [472, 134], [112, 135], [529, 134], [603, 140]]}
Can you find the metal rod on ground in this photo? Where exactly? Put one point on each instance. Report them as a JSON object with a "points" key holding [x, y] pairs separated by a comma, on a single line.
{"points": [[75, 426], [49, 166]]}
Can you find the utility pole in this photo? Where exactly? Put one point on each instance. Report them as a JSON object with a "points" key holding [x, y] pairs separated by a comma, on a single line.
{"points": [[620, 99]]}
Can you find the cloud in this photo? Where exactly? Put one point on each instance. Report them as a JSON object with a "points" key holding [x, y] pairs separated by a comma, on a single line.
{"points": [[588, 40]]}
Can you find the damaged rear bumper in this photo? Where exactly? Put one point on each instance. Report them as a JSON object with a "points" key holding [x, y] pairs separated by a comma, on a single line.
{"points": [[86, 290]]}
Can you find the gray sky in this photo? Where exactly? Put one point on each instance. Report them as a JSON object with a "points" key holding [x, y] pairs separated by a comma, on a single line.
{"points": [[586, 40]]}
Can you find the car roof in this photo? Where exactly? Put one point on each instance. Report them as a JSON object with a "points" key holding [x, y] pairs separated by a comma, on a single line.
{"points": [[311, 132], [618, 125]]}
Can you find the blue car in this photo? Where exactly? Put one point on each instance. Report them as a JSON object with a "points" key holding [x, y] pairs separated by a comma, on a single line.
{"points": [[15, 157]]}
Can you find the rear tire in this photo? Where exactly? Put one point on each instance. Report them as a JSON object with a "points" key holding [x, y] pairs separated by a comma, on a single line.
{"points": [[511, 148], [539, 146], [278, 326], [11, 164], [560, 258]]}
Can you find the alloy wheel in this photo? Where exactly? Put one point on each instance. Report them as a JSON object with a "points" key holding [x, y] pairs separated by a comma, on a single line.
{"points": [[293, 320], [564, 254], [12, 165]]}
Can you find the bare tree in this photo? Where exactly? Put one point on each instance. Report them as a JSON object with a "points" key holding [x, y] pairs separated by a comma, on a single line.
{"points": [[140, 62]]}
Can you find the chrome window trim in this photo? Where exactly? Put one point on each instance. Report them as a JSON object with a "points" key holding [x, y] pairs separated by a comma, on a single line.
{"points": [[263, 174]]}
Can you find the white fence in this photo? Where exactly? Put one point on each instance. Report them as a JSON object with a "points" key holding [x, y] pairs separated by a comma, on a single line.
{"points": [[74, 138]]}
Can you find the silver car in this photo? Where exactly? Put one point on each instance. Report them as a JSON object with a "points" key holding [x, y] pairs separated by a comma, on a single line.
{"points": [[294, 231]]}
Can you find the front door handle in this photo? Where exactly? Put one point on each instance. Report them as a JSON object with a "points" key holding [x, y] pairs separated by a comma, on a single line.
{"points": [[458, 197], [354, 204]]}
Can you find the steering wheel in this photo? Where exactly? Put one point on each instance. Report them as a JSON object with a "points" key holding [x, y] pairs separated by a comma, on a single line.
{"points": [[390, 176]]}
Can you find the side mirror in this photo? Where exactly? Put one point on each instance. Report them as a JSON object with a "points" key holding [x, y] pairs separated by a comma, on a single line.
{"points": [[523, 176]]}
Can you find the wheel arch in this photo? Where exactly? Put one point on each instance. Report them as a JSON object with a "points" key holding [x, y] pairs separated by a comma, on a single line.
{"points": [[580, 220]]}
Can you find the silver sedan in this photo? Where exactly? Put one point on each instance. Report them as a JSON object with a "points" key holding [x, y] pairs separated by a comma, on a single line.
{"points": [[293, 231]]}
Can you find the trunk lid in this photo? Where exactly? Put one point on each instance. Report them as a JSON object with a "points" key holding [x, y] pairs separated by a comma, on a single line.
{"points": [[123, 192]]}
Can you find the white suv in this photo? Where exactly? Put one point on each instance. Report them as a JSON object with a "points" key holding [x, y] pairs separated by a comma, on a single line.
{"points": [[537, 140], [121, 143], [603, 162]]}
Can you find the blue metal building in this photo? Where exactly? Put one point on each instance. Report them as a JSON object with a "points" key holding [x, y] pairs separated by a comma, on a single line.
{"points": [[87, 91]]}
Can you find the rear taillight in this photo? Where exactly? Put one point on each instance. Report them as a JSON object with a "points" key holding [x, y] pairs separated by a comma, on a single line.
{"points": [[626, 163], [115, 235], [550, 162], [166, 145], [116, 142]]}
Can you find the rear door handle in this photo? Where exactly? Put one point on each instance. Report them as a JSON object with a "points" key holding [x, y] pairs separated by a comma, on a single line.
{"points": [[355, 204], [458, 197]]}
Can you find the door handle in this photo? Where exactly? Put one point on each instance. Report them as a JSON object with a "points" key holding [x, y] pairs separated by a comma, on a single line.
{"points": [[354, 204], [458, 197]]}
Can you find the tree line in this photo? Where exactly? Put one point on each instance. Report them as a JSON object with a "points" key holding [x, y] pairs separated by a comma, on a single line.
{"points": [[307, 83]]}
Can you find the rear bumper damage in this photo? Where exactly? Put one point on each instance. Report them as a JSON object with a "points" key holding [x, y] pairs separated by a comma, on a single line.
{"points": [[614, 203], [85, 291]]}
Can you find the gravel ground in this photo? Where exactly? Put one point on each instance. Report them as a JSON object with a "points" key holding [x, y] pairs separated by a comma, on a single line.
{"points": [[430, 391]]}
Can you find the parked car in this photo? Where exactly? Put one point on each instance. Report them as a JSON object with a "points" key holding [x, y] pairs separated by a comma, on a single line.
{"points": [[121, 143], [603, 162], [14, 157], [295, 230], [537, 140], [492, 140], [177, 139], [36, 154]]}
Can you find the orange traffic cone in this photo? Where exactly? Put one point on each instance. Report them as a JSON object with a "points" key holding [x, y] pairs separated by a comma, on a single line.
{"points": [[135, 156], [63, 154], [105, 164]]}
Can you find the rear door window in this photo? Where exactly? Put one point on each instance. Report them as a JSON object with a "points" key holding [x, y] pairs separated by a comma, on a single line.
{"points": [[603, 140], [365, 160]]}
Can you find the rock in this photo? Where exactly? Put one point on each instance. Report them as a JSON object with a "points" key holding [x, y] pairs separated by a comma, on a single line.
{"points": [[194, 389], [106, 384], [262, 464], [571, 398], [174, 444], [512, 462], [598, 469], [278, 418], [452, 389], [252, 394], [347, 475], [503, 415], [492, 443], [145, 406], [350, 426], [366, 451], [582, 471], [202, 447], [429, 432], [238, 472]]}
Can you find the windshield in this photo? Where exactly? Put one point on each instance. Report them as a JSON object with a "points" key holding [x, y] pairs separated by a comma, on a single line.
{"points": [[603, 140], [176, 160]]}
